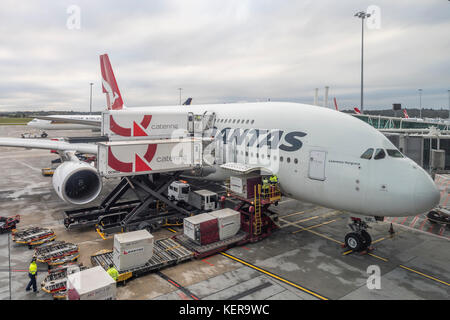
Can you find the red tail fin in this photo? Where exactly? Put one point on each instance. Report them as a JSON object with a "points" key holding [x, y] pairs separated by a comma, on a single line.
{"points": [[109, 84], [405, 113], [335, 104], [357, 110]]}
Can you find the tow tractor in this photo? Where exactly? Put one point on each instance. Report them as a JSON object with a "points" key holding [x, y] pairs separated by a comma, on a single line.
{"points": [[8, 223]]}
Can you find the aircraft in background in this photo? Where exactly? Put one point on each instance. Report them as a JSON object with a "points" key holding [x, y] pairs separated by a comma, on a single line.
{"points": [[324, 157], [61, 122]]}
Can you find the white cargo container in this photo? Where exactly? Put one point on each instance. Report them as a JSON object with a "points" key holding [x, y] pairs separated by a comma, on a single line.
{"points": [[91, 284], [244, 185], [145, 124], [122, 158], [229, 222], [132, 249]]}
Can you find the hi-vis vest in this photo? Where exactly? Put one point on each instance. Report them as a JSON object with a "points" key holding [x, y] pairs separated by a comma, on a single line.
{"points": [[113, 273], [33, 268]]}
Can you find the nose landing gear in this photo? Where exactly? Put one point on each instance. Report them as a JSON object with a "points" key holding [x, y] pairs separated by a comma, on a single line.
{"points": [[359, 239]]}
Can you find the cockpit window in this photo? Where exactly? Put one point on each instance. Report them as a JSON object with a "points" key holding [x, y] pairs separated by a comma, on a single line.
{"points": [[394, 153], [367, 154], [379, 154]]}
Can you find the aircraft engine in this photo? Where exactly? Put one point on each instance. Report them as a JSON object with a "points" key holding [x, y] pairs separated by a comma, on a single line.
{"points": [[77, 182]]}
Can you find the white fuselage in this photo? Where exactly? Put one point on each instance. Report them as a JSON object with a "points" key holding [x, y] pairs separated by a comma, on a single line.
{"points": [[42, 124], [321, 157]]}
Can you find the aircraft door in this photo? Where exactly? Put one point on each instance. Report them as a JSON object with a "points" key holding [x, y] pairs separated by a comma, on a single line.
{"points": [[317, 162]]}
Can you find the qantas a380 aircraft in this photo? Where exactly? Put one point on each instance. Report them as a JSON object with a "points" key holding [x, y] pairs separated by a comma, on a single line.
{"points": [[320, 156]]}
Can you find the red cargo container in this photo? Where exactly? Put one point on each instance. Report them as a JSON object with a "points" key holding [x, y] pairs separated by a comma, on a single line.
{"points": [[202, 228], [209, 232]]}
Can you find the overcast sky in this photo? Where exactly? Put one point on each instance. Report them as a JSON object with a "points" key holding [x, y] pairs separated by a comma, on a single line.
{"points": [[223, 51]]}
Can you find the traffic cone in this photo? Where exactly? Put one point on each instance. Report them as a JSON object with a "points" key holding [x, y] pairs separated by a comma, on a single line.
{"points": [[391, 230]]}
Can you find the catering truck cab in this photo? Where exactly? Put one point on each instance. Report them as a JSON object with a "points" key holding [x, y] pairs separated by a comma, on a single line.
{"points": [[200, 199]]}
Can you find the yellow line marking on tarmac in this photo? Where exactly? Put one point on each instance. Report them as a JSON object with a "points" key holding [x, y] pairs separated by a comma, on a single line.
{"points": [[370, 254], [301, 212], [378, 240], [171, 230], [425, 275], [288, 223], [378, 257], [324, 236], [314, 226], [274, 276]]}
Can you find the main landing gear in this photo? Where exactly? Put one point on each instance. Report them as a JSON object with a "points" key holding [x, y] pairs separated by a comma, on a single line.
{"points": [[359, 239]]}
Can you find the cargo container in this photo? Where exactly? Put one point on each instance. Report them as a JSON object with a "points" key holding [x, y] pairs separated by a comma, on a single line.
{"points": [[91, 284], [123, 158], [203, 199], [132, 249], [136, 124], [244, 185], [202, 228], [229, 222]]}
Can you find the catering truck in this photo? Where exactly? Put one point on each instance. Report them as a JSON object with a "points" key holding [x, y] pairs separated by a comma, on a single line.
{"points": [[182, 192]]}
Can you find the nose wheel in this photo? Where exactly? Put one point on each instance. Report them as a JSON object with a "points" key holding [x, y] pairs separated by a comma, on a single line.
{"points": [[359, 239]]}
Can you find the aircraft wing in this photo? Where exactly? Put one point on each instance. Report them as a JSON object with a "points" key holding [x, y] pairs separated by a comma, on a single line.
{"points": [[48, 144], [96, 123]]}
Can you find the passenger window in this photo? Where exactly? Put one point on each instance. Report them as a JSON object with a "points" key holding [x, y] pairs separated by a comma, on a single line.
{"points": [[288, 159], [281, 159], [253, 121], [367, 154], [394, 153], [295, 160], [246, 122], [379, 154]]}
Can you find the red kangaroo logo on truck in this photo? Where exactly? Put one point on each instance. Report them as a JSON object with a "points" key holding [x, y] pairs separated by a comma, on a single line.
{"points": [[139, 164], [138, 130]]}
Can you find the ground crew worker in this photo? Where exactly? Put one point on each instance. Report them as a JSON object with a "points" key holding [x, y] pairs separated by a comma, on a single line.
{"points": [[265, 186], [113, 272], [32, 273], [273, 179]]}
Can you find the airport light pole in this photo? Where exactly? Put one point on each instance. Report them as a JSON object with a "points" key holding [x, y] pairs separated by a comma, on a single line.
{"points": [[362, 15], [420, 102], [90, 99]]}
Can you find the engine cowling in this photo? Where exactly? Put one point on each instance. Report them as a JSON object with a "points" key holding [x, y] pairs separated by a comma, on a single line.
{"points": [[77, 182]]}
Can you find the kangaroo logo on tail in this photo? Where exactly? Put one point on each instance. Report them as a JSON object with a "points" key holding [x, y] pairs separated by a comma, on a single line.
{"points": [[109, 84]]}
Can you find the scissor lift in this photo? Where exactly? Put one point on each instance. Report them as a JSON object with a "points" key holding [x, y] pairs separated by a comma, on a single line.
{"points": [[151, 210]]}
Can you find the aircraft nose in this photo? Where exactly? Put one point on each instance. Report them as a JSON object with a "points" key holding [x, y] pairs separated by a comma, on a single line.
{"points": [[426, 194]]}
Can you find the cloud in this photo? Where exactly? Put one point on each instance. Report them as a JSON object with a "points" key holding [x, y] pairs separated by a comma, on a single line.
{"points": [[223, 51]]}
